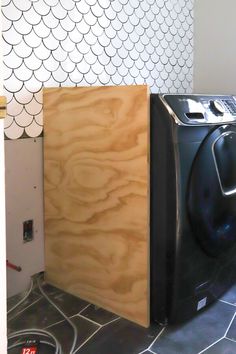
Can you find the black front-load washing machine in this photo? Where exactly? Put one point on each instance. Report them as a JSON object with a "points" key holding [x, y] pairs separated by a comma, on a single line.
{"points": [[193, 203]]}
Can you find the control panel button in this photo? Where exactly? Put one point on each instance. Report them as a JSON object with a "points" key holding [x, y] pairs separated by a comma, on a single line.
{"points": [[217, 107]]}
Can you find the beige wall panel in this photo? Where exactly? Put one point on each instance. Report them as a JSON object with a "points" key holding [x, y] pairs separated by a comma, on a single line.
{"points": [[214, 47], [96, 196]]}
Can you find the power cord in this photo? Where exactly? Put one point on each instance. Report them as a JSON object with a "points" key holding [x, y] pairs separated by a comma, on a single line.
{"points": [[41, 332], [31, 331], [37, 332], [24, 298], [72, 350]]}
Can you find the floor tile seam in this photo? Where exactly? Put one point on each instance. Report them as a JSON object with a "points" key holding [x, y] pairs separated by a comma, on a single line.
{"points": [[88, 319], [105, 324], [26, 308], [230, 339], [114, 320], [71, 317], [22, 295], [56, 323], [76, 314], [230, 324], [218, 340], [228, 303], [88, 339], [26, 299], [156, 338], [83, 309], [149, 350]]}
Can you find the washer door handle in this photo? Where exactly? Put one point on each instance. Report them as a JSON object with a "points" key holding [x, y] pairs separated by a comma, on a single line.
{"points": [[224, 155]]}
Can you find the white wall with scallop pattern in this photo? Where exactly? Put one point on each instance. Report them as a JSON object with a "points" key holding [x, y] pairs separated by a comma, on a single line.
{"points": [[52, 43]]}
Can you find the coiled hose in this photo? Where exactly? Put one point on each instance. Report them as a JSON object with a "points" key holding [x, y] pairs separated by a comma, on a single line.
{"points": [[41, 332]]}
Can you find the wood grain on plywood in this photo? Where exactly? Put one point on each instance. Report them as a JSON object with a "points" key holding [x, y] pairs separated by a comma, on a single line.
{"points": [[96, 196], [3, 107]]}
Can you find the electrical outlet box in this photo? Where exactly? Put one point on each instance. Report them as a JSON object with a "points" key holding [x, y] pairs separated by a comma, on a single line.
{"points": [[28, 232]]}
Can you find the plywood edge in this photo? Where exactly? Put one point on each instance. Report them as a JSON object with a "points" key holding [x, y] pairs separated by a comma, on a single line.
{"points": [[148, 213], [145, 323], [49, 89], [3, 107]]}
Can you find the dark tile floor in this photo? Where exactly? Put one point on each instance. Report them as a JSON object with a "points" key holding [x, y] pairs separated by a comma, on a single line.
{"points": [[100, 332]]}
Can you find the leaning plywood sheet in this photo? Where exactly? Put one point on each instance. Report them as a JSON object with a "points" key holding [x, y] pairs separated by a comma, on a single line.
{"points": [[96, 196]]}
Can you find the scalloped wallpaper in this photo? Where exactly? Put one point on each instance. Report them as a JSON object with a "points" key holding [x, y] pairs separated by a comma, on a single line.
{"points": [[91, 42]]}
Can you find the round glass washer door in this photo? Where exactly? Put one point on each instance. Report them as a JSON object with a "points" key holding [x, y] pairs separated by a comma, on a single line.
{"points": [[211, 197]]}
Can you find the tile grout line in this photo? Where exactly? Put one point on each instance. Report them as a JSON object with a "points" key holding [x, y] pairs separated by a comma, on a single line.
{"points": [[230, 339], [230, 324], [202, 351], [81, 345], [27, 307], [56, 323], [83, 309], [228, 303], [149, 350], [152, 351], [159, 334], [114, 320], [94, 322], [88, 319]]}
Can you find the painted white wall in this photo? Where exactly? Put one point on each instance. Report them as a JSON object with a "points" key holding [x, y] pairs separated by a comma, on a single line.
{"points": [[24, 201], [3, 325], [3, 335], [215, 46]]}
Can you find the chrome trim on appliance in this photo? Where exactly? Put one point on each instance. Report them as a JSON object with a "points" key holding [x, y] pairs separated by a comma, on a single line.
{"points": [[170, 111], [232, 191]]}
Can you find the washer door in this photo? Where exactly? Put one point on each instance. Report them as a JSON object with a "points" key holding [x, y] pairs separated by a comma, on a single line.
{"points": [[212, 192]]}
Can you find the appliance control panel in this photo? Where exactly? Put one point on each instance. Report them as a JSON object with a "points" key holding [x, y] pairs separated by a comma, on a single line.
{"points": [[201, 109]]}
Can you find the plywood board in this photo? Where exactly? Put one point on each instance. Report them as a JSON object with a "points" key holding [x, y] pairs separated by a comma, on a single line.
{"points": [[3, 107], [96, 196]]}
